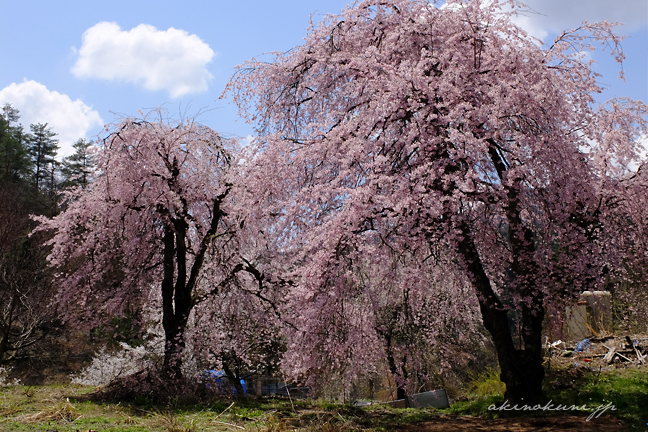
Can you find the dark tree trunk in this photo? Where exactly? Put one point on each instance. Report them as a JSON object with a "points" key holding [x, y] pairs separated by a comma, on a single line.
{"points": [[173, 350], [234, 378], [5, 328], [4, 343], [401, 392], [521, 369], [524, 372], [177, 290], [174, 319]]}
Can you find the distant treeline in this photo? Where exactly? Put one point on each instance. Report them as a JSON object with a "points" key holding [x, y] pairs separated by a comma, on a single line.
{"points": [[32, 182], [29, 159]]}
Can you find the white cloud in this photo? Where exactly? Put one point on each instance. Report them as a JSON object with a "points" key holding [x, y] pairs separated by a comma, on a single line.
{"points": [[248, 140], [642, 154], [542, 17], [531, 26], [171, 60], [554, 16], [70, 119]]}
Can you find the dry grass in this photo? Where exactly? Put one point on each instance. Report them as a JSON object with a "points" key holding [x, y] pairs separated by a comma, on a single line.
{"points": [[273, 423], [332, 426], [172, 423], [324, 423], [64, 411]]}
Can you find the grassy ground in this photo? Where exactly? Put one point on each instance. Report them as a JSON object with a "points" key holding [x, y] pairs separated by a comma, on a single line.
{"points": [[66, 408], [625, 389], [622, 393]]}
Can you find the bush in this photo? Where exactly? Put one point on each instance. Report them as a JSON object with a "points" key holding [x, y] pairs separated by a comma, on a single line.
{"points": [[106, 366], [488, 383], [5, 380]]}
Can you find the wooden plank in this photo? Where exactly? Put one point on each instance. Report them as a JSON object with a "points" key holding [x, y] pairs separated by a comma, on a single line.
{"points": [[609, 356], [624, 357], [641, 358]]}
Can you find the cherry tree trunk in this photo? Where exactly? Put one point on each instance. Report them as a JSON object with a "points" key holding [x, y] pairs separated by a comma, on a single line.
{"points": [[521, 369], [173, 349], [400, 377], [234, 378], [175, 311]]}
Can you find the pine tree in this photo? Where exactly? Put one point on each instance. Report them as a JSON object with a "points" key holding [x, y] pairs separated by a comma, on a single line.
{"points": [[76, 168], [26, 292], [42, 150], [15, 164]]}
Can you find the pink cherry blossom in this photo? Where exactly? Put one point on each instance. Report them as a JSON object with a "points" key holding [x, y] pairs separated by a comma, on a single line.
{"points": [[405, 148]]}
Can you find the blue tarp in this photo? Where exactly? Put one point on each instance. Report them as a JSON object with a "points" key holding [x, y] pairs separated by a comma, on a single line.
{"points": [[220, 379]]}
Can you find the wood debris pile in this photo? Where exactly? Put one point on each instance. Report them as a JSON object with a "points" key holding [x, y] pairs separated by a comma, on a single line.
{"points": [[599, 352]]}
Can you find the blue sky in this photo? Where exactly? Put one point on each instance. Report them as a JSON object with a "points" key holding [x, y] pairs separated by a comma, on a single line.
{"points": [[80, 64]]}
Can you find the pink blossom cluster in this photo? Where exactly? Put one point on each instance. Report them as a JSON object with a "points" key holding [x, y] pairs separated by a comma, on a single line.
{"points": [[418, 172]]}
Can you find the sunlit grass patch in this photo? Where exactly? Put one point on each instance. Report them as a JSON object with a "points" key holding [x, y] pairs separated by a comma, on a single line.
{"points": [[488, 384], [625, 389]]}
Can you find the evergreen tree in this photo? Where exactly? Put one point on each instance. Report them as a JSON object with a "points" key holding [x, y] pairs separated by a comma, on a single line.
{"points": [[53, 180], [26, 308], [42, 149], [76, 168], [14, 159]]}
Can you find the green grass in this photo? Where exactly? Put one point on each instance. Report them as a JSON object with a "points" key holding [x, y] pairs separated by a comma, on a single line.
{"points": [[625, 389], [47, 408], [487, 384]]}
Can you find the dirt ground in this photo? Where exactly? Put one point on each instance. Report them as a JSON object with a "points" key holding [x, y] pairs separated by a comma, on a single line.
{"points": [[472, 424]]}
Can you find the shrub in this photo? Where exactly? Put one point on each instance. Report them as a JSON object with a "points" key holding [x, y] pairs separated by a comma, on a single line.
{"points": [[5, 380], [107, 366], [488, 383]]}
